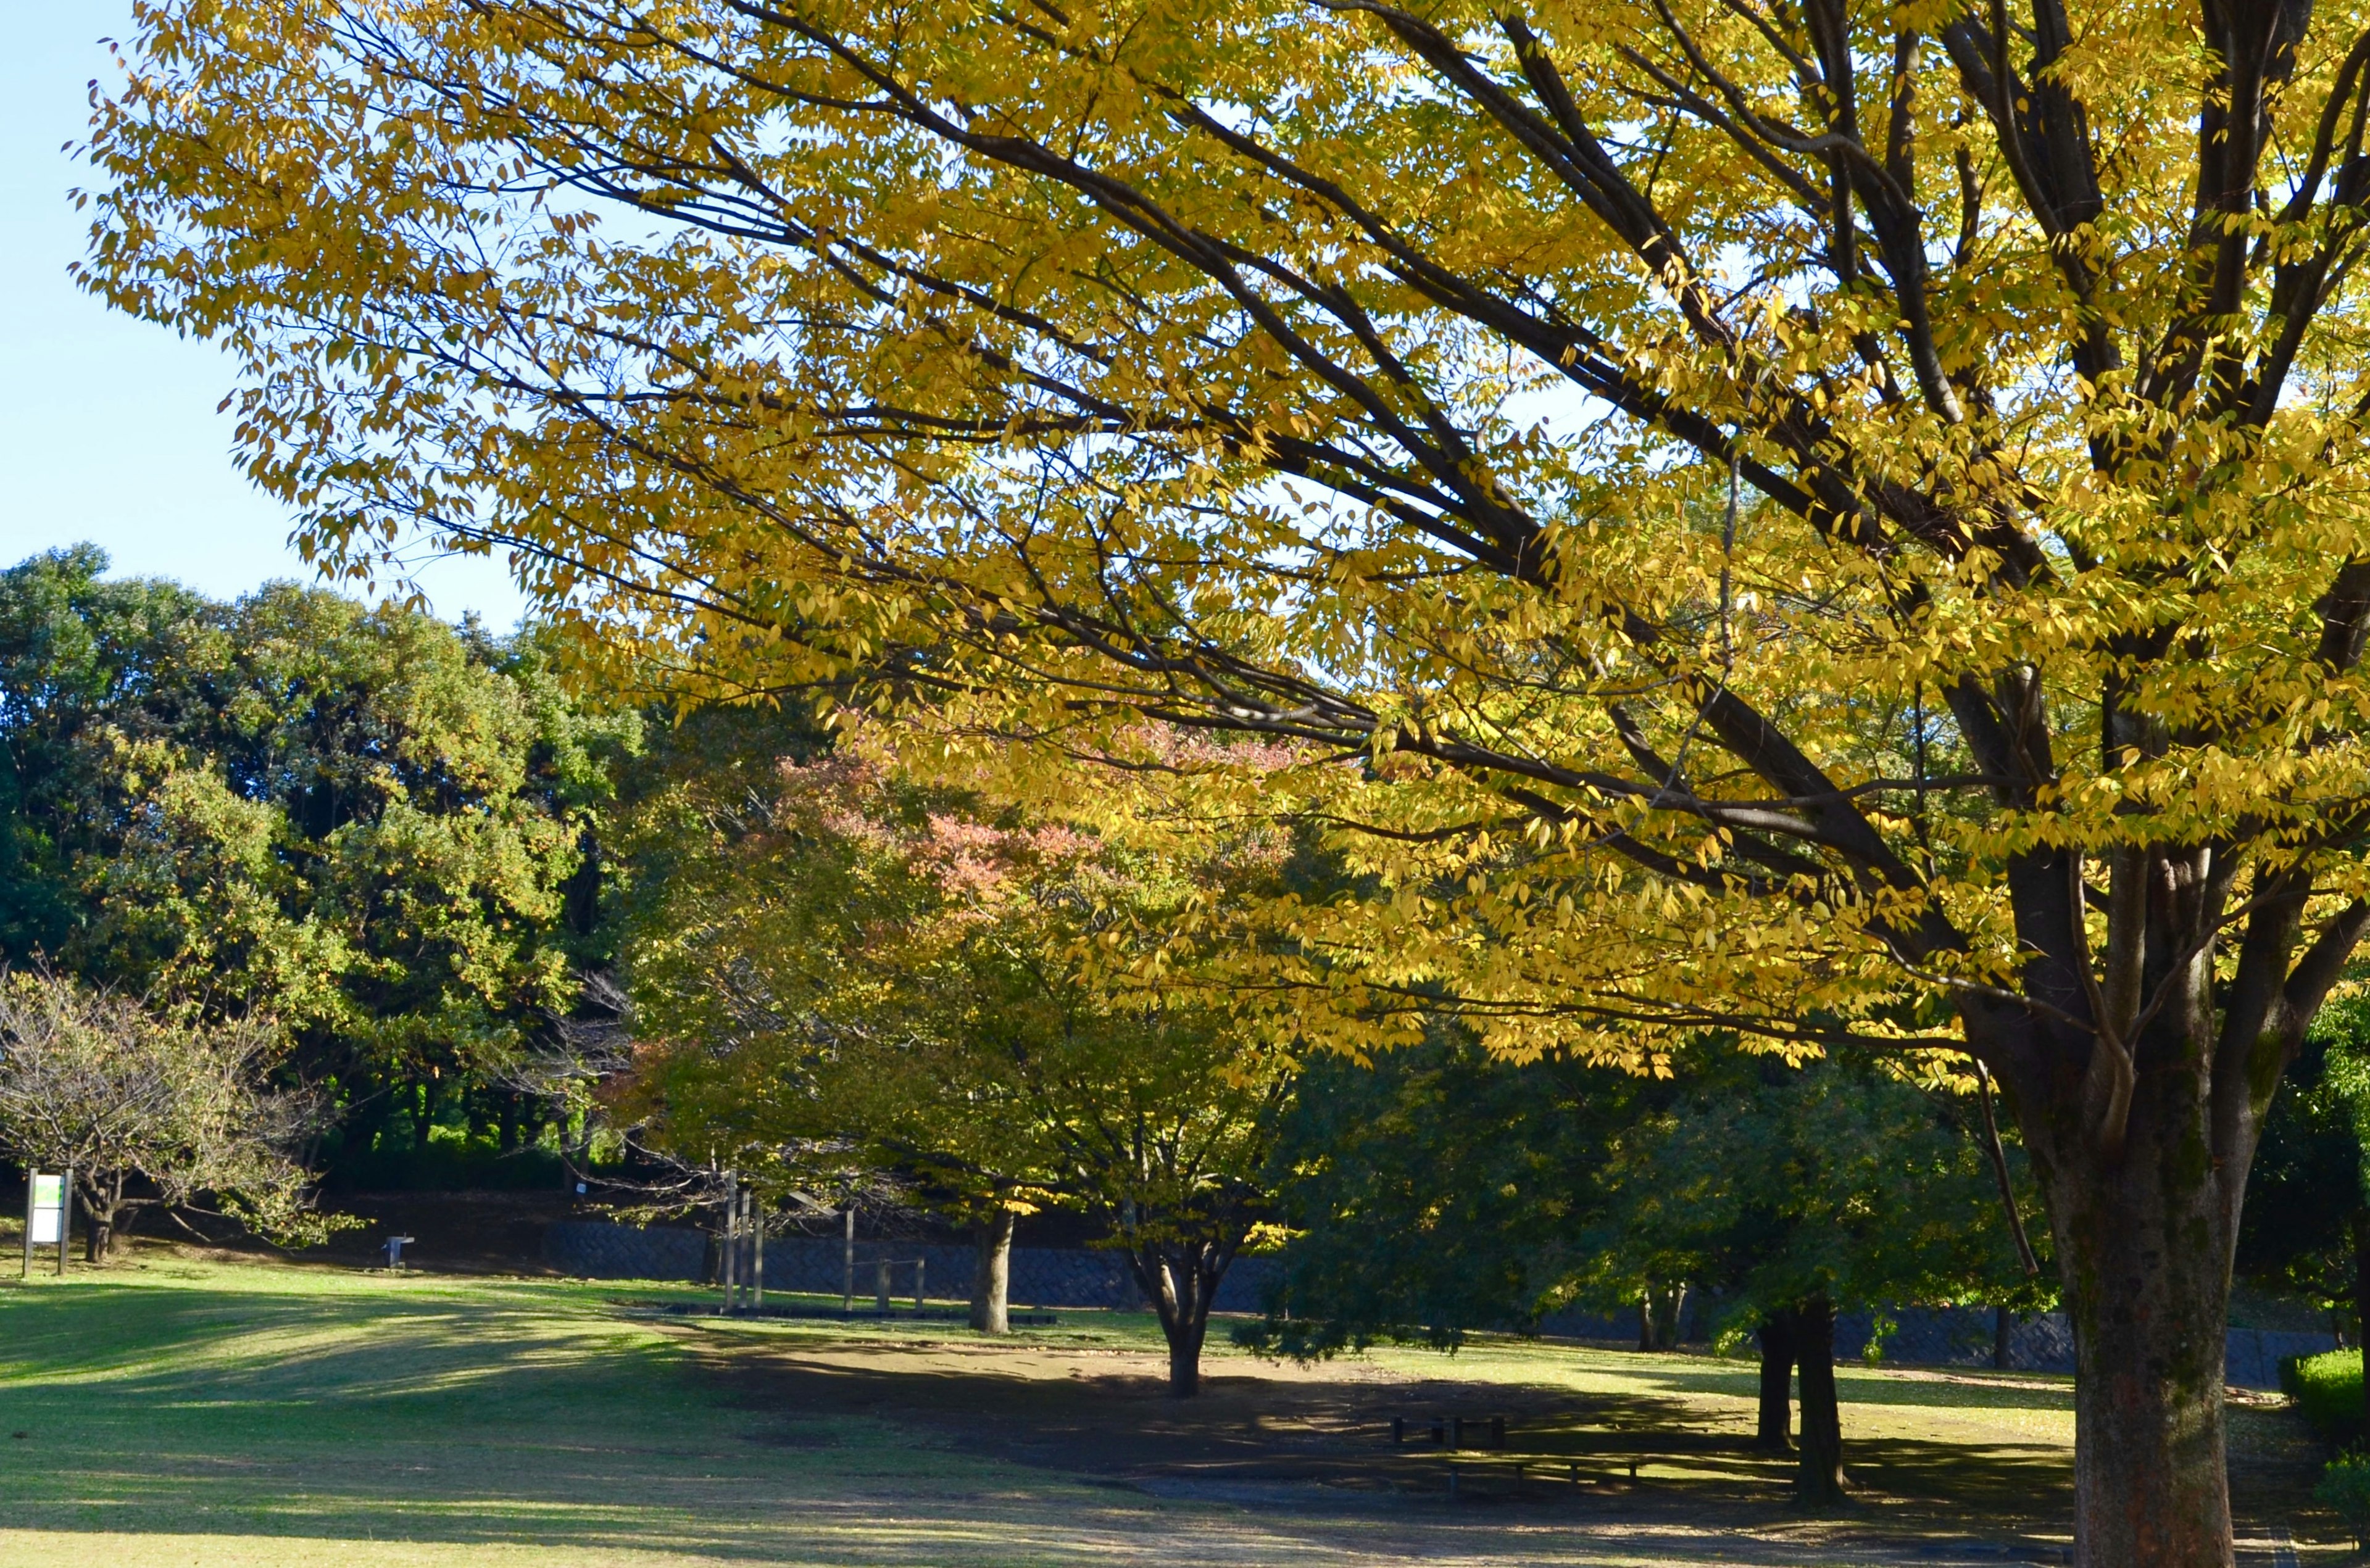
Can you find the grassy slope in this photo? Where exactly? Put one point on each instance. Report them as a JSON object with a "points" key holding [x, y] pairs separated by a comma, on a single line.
{"points": [[287, 1415], [208, 1413]]}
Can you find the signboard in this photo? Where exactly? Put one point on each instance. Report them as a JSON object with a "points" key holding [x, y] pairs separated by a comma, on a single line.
{"points": [[45, 1222]]}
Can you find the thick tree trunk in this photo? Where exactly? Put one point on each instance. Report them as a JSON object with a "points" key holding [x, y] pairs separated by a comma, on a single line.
{"points": [[1185, 1358], [1658, 1316], [2003, 1325], [1777, 1424], [1669, 1305], [1818, 1473], [2143, 1244], [1181, 1279], [991, 1275]]}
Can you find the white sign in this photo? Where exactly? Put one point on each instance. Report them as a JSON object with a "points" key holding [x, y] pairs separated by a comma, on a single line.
{"points": [[49, 1215]]}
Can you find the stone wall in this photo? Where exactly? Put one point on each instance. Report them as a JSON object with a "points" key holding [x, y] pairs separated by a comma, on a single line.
{"points": [[1962, 1336], [1072, 1276], [1041, 1276]]}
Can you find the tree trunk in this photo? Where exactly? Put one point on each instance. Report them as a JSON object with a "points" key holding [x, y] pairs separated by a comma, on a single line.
{"points": [[1181, 1279], [1658, 1316], [2362, 1304], [102, 1207], [2003, 1325], [1819, 1473], [991, 1275], [1185, 1358], [2144, 1241], [1669, 1305], [1776, 1422]]}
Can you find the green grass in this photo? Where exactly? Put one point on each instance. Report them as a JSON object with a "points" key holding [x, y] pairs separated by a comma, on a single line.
{"points": [[180, 1411], [199, 1413]]}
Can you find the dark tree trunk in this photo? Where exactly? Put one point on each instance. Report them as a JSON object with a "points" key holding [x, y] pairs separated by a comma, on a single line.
{"points": [[1185, 1358], [2144, 1218], [1818, 1470], [2362, 1304], [2003, 1325], [104, 1215], [1776, 1431], [1658, 1316], [991, 1274], [1181, 1279], [2150, 1307], [1669, 1305]]}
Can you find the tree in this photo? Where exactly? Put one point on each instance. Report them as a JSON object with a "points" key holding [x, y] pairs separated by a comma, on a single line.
{"points": [[375, 827], [1805, 1192], [1443, 1192], [1832, 525], [150, 1113], [847, 958], [75, 652]]}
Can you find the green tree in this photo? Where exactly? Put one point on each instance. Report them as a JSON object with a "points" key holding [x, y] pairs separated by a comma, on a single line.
{"points": [[847, 958], [1444, 1191], [370, 824], [79, 656]]}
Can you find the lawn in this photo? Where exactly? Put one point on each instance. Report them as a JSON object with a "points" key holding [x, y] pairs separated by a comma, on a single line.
{"points": [[184, 1410]]}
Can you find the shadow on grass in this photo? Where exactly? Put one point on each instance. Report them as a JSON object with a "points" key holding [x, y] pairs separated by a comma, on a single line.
{"points": [[1662, 1449], [406, 1413]]}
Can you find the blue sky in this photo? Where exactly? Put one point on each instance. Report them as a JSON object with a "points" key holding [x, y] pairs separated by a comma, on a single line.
{"points": [[108, 428]]}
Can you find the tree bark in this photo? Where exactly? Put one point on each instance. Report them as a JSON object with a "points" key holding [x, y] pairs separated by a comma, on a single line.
{"points": [[1777, 1424], [1658, 1316], [1185, 1358], [2362, 1304], [1819, 1471], [2003, 1325], [1180, 1280], [2143, 1238], [991, 1275], [102, 1206]]}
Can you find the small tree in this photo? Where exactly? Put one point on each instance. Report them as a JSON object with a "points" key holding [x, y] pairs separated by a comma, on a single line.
{"points": [[150, 1114], [852, 957]]}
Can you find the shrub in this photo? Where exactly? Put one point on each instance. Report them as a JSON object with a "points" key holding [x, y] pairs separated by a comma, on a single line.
{"points": [[2345, 1487], [2328, 1392]]}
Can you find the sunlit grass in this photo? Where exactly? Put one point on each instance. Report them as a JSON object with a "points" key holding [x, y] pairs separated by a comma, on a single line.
{"points": [[186, 1411]]}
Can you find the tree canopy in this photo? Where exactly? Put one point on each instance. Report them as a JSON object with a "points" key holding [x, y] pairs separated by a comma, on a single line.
{"points": [[844, 964], [368, 824], [1818, 522]]}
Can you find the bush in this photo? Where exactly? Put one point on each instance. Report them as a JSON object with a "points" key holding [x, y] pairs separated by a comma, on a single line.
{"points": [[2328, 1391], [2345, 1487]]}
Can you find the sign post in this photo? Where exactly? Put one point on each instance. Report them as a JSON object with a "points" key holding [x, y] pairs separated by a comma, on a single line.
{"points": [[45, 1217]]}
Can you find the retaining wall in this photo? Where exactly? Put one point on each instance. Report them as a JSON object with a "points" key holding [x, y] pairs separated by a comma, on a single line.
{"points": [[1071, 1277], [1041, 1276]]}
